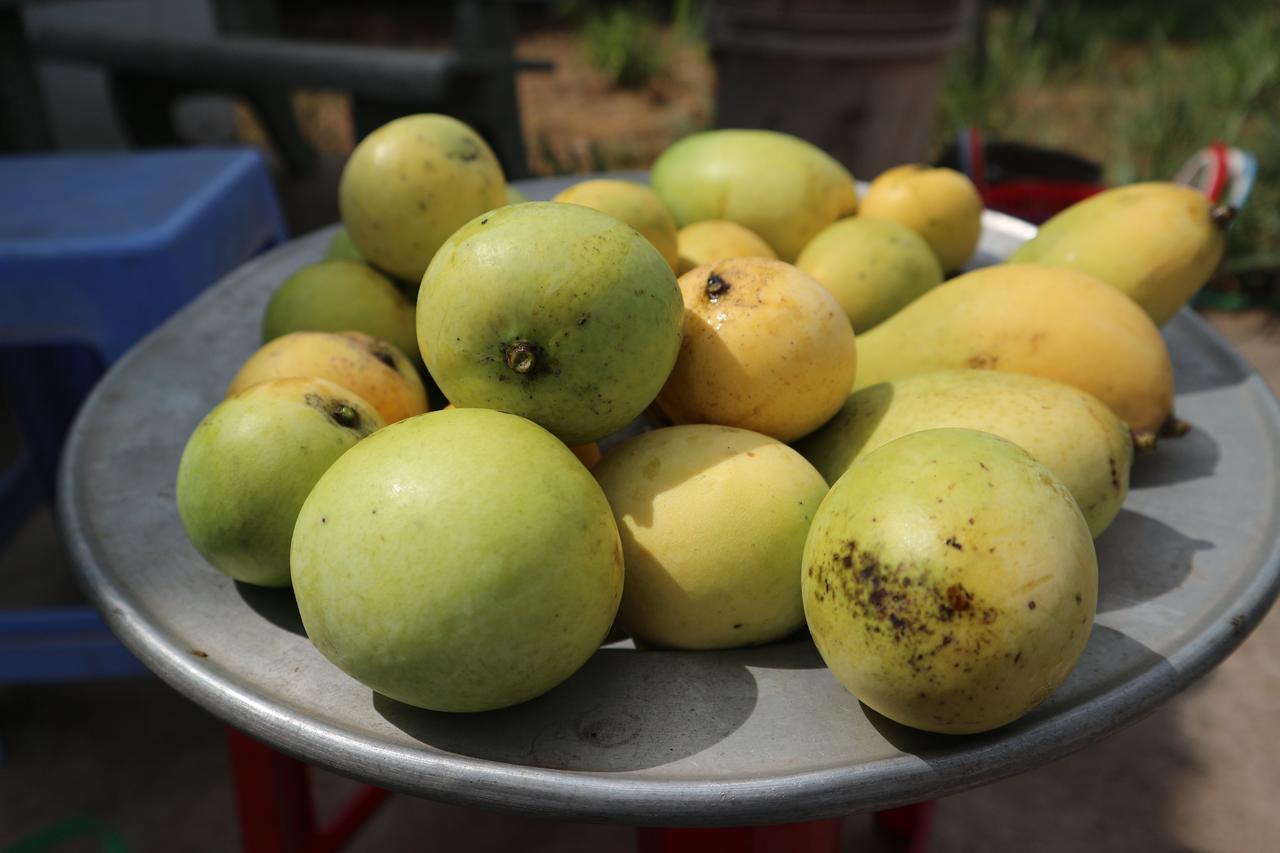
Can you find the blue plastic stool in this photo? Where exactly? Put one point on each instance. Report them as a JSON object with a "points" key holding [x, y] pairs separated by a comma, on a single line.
{"points": [[96, 250]]}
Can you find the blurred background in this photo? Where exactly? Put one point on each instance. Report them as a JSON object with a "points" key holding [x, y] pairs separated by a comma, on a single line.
{"points": [[1066, 97]]}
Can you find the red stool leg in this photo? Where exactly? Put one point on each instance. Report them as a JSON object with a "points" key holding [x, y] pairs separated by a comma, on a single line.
{"points": [[273, 798], [913, 824], [819, 836]]}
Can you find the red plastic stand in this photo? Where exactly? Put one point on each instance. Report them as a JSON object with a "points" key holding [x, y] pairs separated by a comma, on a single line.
{"points": [[273, 800]]}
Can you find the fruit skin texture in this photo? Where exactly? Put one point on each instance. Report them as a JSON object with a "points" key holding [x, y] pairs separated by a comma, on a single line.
{"points": [[251, 463], [578, 299], [949, 581], [781, 187], [941, 205], [1028, 318], [1071, 433], [410, 184], [370, 368], [632, 203], [463, 560], [342, 249], [1157, 242], [713, 522], [873, 267], [766, 348], [715, 240], [338, 296]]}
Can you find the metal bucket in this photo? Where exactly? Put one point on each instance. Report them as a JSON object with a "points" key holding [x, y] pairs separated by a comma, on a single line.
{"points": [[858, 78]]}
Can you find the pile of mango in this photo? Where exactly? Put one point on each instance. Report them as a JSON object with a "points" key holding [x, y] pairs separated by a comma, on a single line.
{"points": [[837, 437]]}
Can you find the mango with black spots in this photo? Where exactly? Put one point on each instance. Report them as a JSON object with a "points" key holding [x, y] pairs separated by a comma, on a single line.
{"points": [[950, 581]]}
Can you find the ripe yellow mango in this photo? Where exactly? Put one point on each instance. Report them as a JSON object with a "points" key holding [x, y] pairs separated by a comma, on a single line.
{"points": [[713, 522], [1157, 242], [1068, 431], [781, 187], [949, 581], [941, 205], [765, 348], [1026, 318], [717, 240]]}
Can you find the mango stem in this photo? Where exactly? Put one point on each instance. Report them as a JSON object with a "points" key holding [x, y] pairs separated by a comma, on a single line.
{"points": [[522, 357]]}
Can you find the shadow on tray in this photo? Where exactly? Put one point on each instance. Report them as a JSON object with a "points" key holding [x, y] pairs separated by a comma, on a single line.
{"points": [[1110, 660], [1140, 558], [1176, 460], [277, 606], [658, 708]]}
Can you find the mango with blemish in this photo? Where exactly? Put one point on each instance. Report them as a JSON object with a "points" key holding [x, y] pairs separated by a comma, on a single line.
{"points": [[949, 581]]}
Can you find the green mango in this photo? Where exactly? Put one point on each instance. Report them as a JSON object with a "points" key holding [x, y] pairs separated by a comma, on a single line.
{"points": [[251, 463], [873, 267], [949, 581], [1157, 242], [462, 560], [341, 248], [555, 312], [342, 296], [779, 186], [1071, 433]]}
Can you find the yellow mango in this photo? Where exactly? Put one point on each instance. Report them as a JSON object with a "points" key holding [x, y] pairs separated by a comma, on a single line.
{"points": [[717, 240], [1026, 318], [1068, 431], [1157, 242], [941, 205], [765, 348]]}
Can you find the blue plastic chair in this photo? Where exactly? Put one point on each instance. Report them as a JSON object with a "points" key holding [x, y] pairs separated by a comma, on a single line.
{"points": [[96, 250]]}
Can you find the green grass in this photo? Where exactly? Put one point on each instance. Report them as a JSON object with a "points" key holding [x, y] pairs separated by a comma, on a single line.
{"points": [[625, 43]]}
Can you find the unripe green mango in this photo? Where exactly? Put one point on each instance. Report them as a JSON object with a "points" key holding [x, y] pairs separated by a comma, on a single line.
{"points": [[1157, 242], [555, 312], [1071, 433], [873, 267], [779, 186], [1028, 318], [949, 581]]}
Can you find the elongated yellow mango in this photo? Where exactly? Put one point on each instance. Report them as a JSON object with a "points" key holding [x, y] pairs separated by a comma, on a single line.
{"points": [[1157, 242], [1027, 318], [1068, 431]]}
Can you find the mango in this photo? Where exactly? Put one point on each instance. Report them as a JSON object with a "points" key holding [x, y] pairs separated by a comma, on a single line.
{"points": [[872, 267], [251, 463], [410, 184], [1026, 318], [715, 240], [555, 312], [463, 560], [1068, 431], [766, 348], [950, 581], [372, 369], [1157, 242], [941, 205], [632, 203], [341, 248], [713, 522], [514, 196], [338, 296], [779, 186]]}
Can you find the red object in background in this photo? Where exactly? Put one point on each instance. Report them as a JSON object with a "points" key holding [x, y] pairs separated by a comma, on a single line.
{"points": [[273, 801], [1023, 181]]}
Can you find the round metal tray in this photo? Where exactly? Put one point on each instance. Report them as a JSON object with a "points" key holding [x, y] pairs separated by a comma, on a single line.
{"points": [[756, 735]]}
